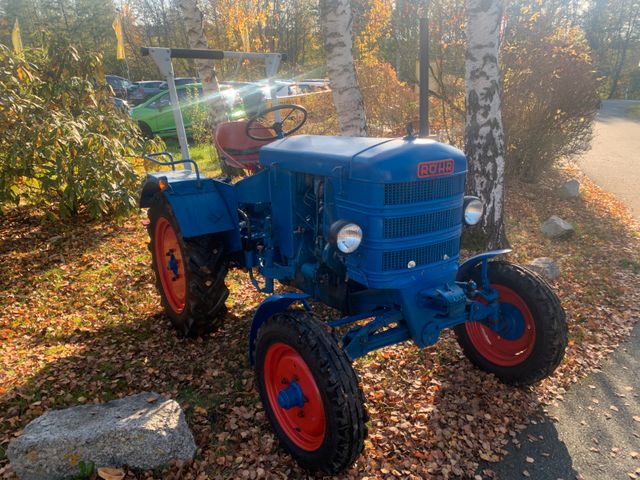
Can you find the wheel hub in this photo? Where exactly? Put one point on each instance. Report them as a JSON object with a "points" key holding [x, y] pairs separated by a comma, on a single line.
{"points": [[511, 325], [168, 261], [291, 396], [294, 397], [172, 264], [510, 340]]}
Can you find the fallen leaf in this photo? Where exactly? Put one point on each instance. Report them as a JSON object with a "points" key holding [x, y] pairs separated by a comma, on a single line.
{"points": [[200, 410], [108, 473]]}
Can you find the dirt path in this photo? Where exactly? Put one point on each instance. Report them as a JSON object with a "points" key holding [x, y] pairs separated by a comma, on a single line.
{"points": [[593, 433]]}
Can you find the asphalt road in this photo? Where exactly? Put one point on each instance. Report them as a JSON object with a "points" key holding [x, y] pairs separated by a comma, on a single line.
{"points": [[592, 434], [614, 160]]}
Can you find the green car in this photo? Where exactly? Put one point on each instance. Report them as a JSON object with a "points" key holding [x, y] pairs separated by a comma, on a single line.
{"points": [[155, 116]]}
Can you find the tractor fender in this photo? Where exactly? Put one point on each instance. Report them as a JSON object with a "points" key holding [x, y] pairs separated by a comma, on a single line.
{"points": [[465, 269], [269, 307], [201, 206]]}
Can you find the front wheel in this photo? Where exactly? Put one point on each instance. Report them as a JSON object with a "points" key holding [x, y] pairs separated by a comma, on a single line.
{"points": [[310, 392], [532, 337]]}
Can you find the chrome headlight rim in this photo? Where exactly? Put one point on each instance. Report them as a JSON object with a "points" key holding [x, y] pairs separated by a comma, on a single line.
{"points": [[472, 210], [346, 236]]}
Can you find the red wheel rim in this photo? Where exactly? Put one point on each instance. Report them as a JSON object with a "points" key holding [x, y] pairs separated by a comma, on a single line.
{"points": [[497, 350], [305, 426], [173, 286]]}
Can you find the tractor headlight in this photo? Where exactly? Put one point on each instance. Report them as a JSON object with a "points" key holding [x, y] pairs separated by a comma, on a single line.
{"points": [[347, 236], [473, 209]]}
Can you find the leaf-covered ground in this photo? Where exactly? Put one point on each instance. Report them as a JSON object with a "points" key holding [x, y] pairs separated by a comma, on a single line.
{"points": [[80, 321]]}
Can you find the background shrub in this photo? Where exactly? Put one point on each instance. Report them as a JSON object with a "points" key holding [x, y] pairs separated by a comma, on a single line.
{"points": [[549, 96], [64, 145]]}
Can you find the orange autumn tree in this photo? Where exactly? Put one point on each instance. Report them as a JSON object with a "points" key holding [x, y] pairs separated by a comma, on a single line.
{"points": [[373, 28]]}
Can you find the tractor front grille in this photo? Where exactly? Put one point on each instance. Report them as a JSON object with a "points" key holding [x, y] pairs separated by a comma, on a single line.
{"points": [[399, 259], [423, 190], [398, 227], [411, 229]]}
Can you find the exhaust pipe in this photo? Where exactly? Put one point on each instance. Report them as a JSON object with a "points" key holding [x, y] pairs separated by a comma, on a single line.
{"points": [[424, 77]]}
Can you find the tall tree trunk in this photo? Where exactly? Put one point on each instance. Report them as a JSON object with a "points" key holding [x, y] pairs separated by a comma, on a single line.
{"points": [[206, 71], [336, 19], [483, 135]]}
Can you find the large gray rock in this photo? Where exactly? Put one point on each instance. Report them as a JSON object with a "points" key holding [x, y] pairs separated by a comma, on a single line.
{"points": [[555, 227], [545, 267], [570, 189], [141, 431]]}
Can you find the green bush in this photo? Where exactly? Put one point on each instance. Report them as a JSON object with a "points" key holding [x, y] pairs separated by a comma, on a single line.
{"points": [[64, 145], [634, 85], [549, 96]]}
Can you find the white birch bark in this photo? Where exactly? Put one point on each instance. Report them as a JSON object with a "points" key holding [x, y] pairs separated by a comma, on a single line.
{"points": [[206, 70], [336, 19], [484, 136]]}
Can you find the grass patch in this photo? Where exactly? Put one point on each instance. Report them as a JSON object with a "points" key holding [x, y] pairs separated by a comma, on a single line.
{"points": [[205, 155], [634, 111], [630, 264]]}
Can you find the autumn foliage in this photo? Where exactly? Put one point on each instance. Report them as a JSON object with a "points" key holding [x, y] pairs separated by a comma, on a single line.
{"points": [[64, 145], [549, 96]]}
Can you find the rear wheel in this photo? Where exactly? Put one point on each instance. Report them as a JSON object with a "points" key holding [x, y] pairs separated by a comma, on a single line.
{"points": [[530, 340], [189, 273], [310, 392]]}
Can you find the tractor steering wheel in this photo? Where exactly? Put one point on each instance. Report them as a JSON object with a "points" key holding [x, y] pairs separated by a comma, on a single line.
{"points": [[292, 119]]}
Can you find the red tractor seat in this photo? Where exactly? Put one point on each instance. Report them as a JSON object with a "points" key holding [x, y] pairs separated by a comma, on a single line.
{"points": [[236, 149]]}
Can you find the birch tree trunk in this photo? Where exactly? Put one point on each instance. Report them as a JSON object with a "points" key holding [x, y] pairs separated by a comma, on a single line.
{"points": [[206, 71], [336, 19], [483, 135]]}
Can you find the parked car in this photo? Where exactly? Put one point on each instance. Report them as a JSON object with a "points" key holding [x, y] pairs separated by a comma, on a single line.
{"points": [[284, 88], [120, 103], [252, 94], [138, 92], [255, 94], [119, 85], [180, 81], [155, 116], [310, 85]]}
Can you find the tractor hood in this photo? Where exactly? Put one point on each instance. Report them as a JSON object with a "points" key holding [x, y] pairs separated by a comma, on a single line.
{"points": [[378, 160]]}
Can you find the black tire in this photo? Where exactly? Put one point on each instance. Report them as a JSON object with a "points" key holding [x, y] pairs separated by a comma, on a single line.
{"points": [[145, 130], [204, 272], [547, 350], [337, 383]]}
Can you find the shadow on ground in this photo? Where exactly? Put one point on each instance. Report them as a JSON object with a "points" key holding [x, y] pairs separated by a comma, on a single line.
{"points": [[432, 414]]}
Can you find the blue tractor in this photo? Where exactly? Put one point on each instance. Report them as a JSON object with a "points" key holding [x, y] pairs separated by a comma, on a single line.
{"points": [[368, 226]]}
